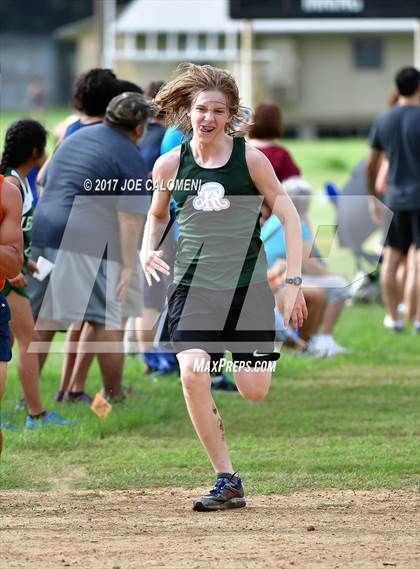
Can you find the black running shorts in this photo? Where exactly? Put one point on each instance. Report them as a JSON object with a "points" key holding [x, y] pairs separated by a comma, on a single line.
{"points": [[5, 351], [404, 230], [239, 320]]}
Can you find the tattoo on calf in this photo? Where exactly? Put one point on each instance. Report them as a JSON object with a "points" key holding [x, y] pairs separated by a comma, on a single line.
{"points": [[219, 419], [222, 428]]}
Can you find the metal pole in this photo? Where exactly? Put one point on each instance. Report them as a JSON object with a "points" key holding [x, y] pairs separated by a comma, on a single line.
{"points": [[246, 76], [107, 24], [417, 44], [98, 18]]}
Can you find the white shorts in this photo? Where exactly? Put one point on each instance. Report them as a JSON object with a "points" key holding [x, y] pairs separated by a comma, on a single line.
{"points": [[335, 287]]}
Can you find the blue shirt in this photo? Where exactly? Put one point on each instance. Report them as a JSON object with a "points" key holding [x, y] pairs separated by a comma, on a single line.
{"points": [[272, 235], [172, 137], [32, 182], [150, 144], [75, 126]]}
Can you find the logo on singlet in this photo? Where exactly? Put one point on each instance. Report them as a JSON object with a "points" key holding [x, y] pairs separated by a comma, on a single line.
{"points": [[210, 197]]}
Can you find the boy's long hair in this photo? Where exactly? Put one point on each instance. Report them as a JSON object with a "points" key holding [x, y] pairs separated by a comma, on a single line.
{"points": [[176, 97]]}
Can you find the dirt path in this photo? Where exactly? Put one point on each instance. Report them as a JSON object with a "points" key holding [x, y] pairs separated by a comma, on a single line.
{"points": [[157, 528]]}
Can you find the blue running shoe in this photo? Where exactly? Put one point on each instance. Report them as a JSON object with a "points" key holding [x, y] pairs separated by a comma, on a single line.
{"points": [[7, 425], [76, 397], [228, 493], [49, 419]]}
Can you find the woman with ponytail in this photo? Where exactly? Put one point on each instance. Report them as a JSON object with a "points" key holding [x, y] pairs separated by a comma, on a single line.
{"points": [[24, 149]]}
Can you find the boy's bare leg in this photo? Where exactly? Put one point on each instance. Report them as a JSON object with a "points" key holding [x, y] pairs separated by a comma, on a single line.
{"points": [[203, 412], [112, 364], [390, 290], [73, 337], [409, 289], [83, 359], [418, 285], [253, 385]]}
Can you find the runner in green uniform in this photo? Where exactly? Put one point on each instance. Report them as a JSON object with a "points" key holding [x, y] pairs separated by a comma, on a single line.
{"points": [[24, 149], [220, 298]]}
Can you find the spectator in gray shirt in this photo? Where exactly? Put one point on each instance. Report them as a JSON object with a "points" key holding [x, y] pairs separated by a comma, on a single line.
{"points": [[396, 134], [88, 223]]}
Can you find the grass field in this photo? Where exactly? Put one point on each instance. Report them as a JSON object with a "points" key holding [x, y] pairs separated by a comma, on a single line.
{"points": [[346, 423]]}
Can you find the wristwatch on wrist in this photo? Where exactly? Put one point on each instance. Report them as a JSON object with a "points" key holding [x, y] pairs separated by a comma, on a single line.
{"points": [[295, 281]]}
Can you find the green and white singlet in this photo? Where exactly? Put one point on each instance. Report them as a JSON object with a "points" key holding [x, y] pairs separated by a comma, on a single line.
{"points": [[218, 212], [27, 211]]}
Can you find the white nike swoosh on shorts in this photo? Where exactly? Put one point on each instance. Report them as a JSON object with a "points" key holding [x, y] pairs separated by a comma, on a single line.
{"points": [[257, 354]]}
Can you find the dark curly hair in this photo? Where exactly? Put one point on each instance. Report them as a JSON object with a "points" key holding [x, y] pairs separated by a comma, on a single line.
{"points": [[93, 91], [22, 137], [128, 86]]}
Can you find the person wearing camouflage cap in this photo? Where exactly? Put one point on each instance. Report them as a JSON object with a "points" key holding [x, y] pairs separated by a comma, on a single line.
{"points": [[128, 111], [86, 211]]}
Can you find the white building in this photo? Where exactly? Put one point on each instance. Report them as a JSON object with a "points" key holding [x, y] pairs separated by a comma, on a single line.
{"points": [[326, 74]]}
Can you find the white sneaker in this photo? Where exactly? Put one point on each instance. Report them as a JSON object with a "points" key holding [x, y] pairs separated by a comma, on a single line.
{"points": [[401, 310], [336, 349], [310, 353], [311, 348], [324, 346], [391, 324], [317, 347]]}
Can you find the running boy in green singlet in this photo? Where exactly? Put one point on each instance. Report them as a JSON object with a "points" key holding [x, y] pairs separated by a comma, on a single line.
{"points": [[220, 298]]}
